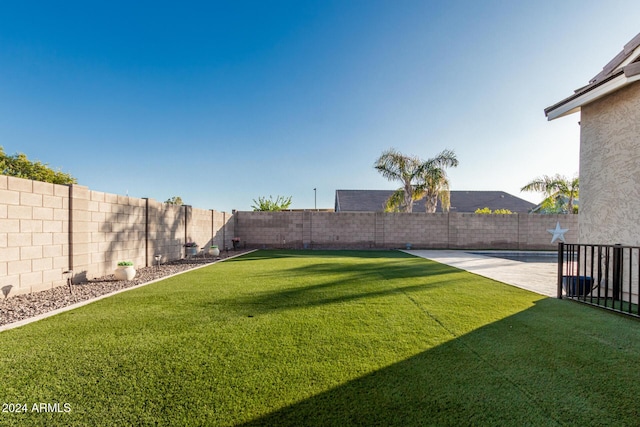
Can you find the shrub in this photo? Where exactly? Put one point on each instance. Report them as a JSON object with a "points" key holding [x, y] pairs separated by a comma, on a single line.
{"points": [[269, 205], [20, 166], [175, 200], [484, 211], [487, 211]]}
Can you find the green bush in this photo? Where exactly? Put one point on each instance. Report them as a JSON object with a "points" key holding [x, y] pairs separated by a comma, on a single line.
{"points": [[20, 166], [269, 205], [484, 211], [175, 200], [487, 211]]}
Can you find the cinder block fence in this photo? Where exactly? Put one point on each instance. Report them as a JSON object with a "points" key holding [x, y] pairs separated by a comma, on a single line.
{"points": [[46, 229], [378, 230]]}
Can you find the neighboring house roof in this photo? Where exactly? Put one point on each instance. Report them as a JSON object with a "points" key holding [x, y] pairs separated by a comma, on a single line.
{"points": [[461, 201], [621, 71]]}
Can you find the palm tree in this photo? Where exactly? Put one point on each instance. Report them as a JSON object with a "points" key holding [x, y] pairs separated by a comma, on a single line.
{"points": [[419, 179], [571, 190], [554, 188], [434, 183], [396, 166]]}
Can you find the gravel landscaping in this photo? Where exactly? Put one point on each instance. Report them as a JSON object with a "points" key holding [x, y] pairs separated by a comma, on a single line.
{"points": [[20, 307]]}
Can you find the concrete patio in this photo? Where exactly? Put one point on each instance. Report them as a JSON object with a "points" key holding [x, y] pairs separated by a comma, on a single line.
{"points": [[539, 277]]}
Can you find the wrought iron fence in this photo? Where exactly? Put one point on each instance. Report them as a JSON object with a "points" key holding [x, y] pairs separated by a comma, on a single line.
{"points": [[603, 275]]}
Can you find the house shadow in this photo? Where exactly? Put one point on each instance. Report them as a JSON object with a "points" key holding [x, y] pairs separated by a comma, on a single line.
{"points": [[520, 370]]}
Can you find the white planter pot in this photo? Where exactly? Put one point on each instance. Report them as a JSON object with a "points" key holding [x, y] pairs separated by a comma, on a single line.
{"points": [[125, 273], [214, 251]]}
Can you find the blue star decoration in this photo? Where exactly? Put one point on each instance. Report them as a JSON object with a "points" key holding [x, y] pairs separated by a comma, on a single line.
{"points": [[558, 232]]}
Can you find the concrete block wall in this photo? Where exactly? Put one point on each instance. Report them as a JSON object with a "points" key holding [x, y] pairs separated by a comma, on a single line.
{"points": [[108, 228], [418, 229], [270, 229], [34, 238], [46, 229], [468, 230], [344, 229], [209, 227], [533, 229], [105, 229], [199, 227], [395, 230], [223, 230], [166, 231]]}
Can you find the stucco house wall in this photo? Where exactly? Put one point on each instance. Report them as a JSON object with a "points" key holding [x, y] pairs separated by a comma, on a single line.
{"points": [[610, 169], [609, 107]]}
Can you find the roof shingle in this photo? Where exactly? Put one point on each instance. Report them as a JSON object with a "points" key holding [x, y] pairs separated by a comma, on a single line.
{"points": [[461, 201], [618, 72]]}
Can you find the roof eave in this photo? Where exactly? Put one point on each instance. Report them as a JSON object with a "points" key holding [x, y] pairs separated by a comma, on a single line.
{"points": [[573, 103]]}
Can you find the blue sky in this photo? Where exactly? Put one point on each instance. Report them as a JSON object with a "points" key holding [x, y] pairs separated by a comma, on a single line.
{"points": [[223, 102]]}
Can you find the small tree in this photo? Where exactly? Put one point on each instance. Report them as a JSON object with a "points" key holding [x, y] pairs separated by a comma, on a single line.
{"points": [[20, 166], [270, 205], [175, 200]]}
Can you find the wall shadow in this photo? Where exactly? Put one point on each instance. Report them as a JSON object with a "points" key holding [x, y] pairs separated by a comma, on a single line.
{"points": [[269, 254], [369, 279], [163, 235]]}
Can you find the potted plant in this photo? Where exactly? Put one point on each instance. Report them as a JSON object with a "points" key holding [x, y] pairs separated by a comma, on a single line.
{"points": [[213, 250], [191, 248], [125, 271]]}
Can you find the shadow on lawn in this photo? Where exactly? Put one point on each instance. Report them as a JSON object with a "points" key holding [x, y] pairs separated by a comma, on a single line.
{"points": [[317, 295], [553, 364], [270, 254], [362, 280]]}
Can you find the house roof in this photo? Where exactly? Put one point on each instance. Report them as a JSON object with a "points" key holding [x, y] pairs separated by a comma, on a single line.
{"points": [[621, 71], [461, 201]]}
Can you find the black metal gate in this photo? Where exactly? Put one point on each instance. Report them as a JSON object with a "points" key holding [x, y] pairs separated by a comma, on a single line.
{"points": [[603, 275]]}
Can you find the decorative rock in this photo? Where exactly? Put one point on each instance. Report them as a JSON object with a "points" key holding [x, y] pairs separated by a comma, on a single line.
{"points": [[24, 306]]}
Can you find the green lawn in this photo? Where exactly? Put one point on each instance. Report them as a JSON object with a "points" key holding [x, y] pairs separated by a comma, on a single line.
{"points": [[325, 338]]}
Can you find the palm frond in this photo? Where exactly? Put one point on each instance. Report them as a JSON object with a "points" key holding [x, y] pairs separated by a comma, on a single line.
{"points": [[445, 199], [395, 203], [544, 184]]}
